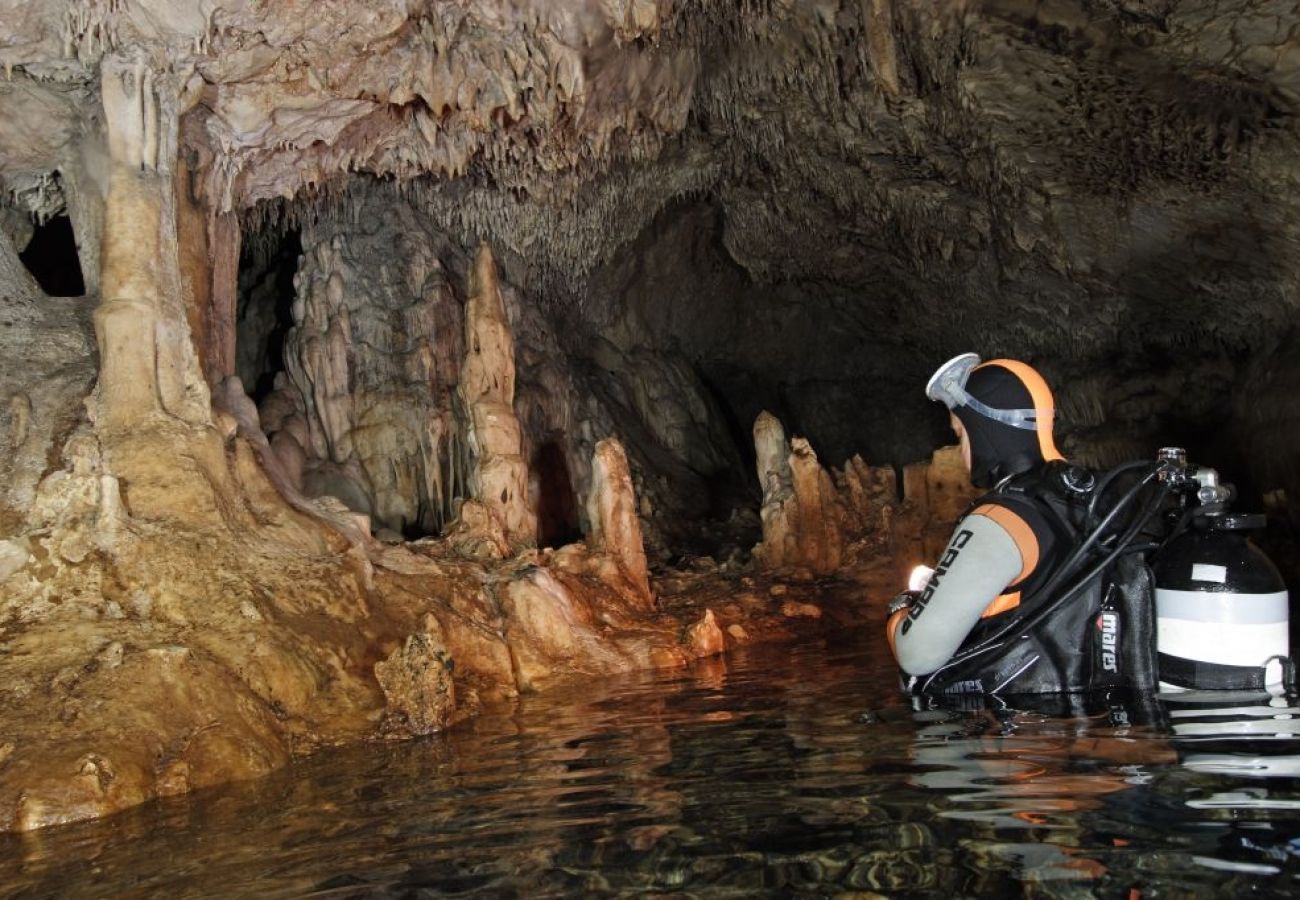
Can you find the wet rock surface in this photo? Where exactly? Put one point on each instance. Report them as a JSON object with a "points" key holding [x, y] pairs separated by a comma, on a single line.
{"points": [[419, 692]]}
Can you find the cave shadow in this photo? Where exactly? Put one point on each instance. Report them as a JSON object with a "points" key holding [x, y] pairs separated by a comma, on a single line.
{"points": [[1175, 321], [740, 488]]}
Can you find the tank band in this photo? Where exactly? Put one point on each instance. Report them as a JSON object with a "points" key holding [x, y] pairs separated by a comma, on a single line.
{"points": [[1224, 607]]}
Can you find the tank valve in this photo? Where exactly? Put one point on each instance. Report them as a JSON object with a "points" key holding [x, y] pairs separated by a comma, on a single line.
{"points": [[1173, 465], [1175, 456]]}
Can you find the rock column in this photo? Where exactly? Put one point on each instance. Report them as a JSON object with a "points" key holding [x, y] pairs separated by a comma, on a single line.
{"points": [[147, 361]]}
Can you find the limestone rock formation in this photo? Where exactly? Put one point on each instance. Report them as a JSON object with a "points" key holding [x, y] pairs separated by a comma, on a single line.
{"points": [[772, 459], [803, 519], [705, 636], [147, 362], [372, 363], [47, 368], [499, 474], [417, 683], [813, 518], [936, 492], [870, 495], [550, 626], [612, 511]]}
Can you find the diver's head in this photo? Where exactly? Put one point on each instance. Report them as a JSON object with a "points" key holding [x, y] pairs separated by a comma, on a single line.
{"points": [[1004, 408]]}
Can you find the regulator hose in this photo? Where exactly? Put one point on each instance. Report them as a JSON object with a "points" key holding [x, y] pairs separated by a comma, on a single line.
{"points": [[1110, 476]]}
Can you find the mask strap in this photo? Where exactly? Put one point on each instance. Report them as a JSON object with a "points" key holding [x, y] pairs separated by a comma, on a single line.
{"points": [[948, 386], [1025, 419]]}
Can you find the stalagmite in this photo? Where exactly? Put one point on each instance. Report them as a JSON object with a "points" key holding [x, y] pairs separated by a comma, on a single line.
{"points": [[705, 636], [611, 509], [870, 494], [819, 517], [935, 493], [771, 452], [499, 478], [811, 517], [803, 518]]}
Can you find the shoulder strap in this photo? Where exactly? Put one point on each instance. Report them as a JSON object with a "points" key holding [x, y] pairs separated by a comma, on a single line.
{"points": [[1062, 490]]}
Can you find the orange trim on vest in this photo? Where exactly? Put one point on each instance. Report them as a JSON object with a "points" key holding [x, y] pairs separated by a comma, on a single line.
{"points": [[891, 627], [1044, 405], [1021, 533], [1001, 604]]}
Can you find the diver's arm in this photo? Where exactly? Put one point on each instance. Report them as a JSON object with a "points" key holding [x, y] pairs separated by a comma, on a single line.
{"points": [[982, 559]]}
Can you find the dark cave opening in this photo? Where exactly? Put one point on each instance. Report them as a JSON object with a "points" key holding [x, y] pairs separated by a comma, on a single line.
{"points": [[51, 258], [555, 501], [729, 489], [264, 313]]}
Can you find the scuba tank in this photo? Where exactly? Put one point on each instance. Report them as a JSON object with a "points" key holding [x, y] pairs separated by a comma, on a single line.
{"points": [[1222, 608]]}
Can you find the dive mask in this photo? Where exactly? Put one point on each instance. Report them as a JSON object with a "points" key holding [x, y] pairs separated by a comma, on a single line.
{"points": [[948, 386]]}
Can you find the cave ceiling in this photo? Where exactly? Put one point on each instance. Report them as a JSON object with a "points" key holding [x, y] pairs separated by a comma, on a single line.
{"points": [[813, 201]]}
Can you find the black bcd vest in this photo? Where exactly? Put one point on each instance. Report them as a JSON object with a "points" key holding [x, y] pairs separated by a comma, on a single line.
{"points": [[1102, 636]]}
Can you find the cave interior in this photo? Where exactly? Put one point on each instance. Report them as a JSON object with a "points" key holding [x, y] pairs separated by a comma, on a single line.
{"points": [[234, 217]]}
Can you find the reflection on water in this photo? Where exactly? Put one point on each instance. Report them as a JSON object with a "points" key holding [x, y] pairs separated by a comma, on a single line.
{"points": [[780, 772]]}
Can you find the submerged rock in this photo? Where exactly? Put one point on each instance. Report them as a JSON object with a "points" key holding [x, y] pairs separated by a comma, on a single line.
{"points": [[793, 609], [705, 637]]}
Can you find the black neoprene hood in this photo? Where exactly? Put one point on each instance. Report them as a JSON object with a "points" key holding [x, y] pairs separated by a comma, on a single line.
{"points": [[998, 450]]}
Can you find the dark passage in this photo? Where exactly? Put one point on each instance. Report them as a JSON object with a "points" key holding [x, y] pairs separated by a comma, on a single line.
{"points": [[265, 313], [51, 257], [557, 511]]}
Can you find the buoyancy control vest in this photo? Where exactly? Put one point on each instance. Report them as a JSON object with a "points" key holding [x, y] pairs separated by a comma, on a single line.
{"points": [[1100, 637]]}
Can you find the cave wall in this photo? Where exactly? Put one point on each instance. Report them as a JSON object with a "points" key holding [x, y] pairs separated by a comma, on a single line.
{"points": [[47, 367], [1106, 190]]}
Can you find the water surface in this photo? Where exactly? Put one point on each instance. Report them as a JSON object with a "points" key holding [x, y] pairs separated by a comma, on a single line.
{"points": [[776, 772]]}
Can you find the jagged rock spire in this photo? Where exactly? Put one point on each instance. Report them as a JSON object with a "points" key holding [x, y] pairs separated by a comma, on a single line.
{"points": [[499, 476]]}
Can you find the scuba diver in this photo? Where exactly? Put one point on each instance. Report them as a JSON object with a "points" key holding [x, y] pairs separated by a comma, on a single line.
{"points": [[1063, 580]]}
